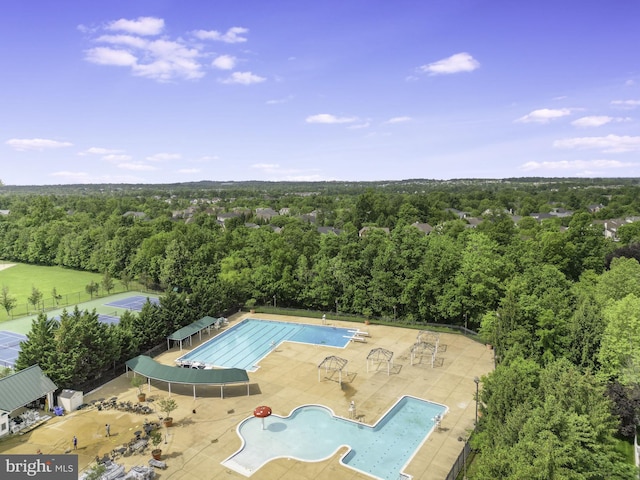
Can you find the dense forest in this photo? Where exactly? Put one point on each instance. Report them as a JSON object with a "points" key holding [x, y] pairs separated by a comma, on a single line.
{"points": [[524, 261]]}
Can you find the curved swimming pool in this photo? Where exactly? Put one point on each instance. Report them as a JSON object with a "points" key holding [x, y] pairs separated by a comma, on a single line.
{"points": [[312, 433]]}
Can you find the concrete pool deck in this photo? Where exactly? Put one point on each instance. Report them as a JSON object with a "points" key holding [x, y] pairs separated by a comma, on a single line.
{"points": [[287, 378]]}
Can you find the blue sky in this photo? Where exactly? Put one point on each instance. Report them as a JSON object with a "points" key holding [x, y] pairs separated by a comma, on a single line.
{"points": [[163, 91]]}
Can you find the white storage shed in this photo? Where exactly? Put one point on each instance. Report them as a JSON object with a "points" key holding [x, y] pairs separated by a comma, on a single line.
{"points": [[70, 399]]}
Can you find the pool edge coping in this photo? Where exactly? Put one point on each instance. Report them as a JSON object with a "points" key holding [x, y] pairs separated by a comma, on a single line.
{"points": [[248, 473]]}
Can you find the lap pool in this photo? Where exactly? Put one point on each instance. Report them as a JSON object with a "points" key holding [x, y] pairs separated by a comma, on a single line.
{"points": [[245, 344], [312, 433]]}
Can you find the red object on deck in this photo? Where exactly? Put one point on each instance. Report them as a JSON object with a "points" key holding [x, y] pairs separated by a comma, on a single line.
{"points": [[262, 411]]}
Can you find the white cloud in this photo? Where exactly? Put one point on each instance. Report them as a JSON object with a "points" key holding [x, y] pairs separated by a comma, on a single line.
{"points": [[544, 115], [359, 126], [164, 157], [39, 144], [328, 118], [592, 121], [110, 56], [141, 26], [279, 100], [597, 120], [170, 60], [233, 35], [224, 62], [78, 177], [189, 170], [84, 177], [460, 62], [266, 167], [277, 173], [608, 144], [126, 40], [626, 104], [399, 120], [136, 166], [584, 165], [207, 158], [163, 59], [117, 158], [629, 83], [99, 151], [243, 78]]}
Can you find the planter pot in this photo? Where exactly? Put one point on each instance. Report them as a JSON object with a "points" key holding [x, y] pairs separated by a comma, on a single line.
{"points": [[490, 347], [156, 454], [168, 422], [142, 397], [367, 322], [252, 311]]}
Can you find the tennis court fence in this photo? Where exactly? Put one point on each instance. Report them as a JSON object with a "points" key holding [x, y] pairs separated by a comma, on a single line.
{"points": [[52, 303]]}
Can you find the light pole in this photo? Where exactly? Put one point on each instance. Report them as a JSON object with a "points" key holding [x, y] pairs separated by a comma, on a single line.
{"points": [[274, 301], [336, 306], [394, 313], [477, 381]]}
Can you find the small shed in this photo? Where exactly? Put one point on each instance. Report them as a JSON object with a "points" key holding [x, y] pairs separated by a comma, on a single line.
{"points": [[70, 400]]}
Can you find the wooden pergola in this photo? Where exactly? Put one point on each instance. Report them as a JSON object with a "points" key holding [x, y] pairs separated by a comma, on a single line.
{"points": [[334, 364]]}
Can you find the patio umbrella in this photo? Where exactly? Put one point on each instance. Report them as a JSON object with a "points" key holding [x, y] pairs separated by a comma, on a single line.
{"points": [[262, 412]]}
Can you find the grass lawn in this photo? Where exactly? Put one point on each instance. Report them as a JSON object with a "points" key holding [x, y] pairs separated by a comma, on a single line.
{"points": [[70, 284]]}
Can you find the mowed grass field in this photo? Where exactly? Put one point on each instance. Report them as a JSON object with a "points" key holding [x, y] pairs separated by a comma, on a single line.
{"points": [[70, 284]]}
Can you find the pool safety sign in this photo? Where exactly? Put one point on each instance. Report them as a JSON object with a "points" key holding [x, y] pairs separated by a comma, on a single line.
{"points": [[39, 467]]}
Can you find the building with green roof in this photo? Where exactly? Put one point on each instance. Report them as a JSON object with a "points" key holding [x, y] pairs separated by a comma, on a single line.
{"points": [[20, 389]]}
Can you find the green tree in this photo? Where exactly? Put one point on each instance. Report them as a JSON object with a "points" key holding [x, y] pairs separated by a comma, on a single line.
{"points": [[479, 281], [629, 233], [92, 288], [40, 346], [620, 344], [622, 279], [56, 296], [126, 279], [6, 300], [35, 298], [174, 267], [107, 282], [550, 423]]}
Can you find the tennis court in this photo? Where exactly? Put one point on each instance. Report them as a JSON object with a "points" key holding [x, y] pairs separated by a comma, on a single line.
{"points": [[10, 347], [133, 303]]}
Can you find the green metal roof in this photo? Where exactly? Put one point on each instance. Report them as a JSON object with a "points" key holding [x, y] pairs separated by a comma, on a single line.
{"points": [[149, 368], [24, 387], [195, 327]]}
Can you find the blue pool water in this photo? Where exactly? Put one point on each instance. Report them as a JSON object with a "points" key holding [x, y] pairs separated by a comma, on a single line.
{"points": [[313, 433], [245, 344]]}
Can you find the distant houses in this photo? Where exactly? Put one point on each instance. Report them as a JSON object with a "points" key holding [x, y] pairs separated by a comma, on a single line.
{"points": [[263, 216], [423, 227]]}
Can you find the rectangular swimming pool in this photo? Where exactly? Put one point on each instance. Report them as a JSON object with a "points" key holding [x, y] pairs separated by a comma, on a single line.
{"points": [[245, 344]]}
